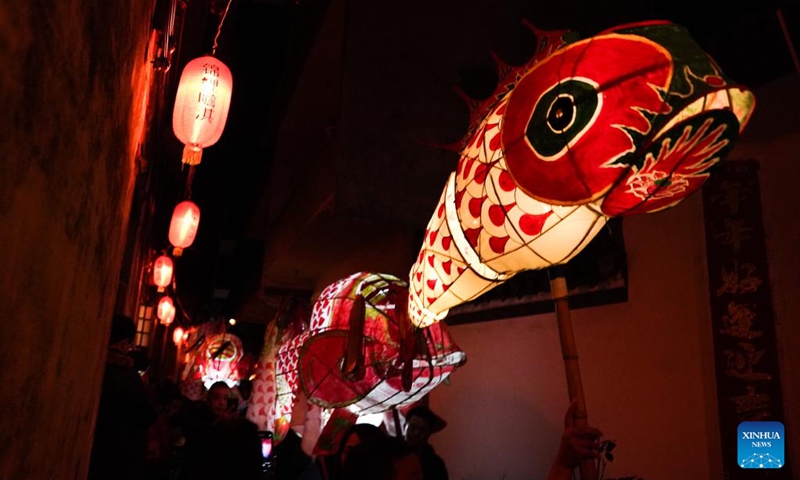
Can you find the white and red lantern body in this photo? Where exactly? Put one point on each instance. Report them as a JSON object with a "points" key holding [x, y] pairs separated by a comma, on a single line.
{"points": [[166, 310], [162, 272], [183, 227], [201, 106]]}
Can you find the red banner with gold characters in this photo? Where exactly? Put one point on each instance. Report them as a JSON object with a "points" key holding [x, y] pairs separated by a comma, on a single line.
{"points": [[742, 317]]}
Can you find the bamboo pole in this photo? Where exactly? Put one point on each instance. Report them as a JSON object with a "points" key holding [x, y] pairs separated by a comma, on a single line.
{"points": [[398, 428], [569, 351]]}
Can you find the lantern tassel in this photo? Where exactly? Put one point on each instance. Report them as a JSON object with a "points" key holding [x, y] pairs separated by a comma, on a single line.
{"points": [[192, 154], [177, 251]]}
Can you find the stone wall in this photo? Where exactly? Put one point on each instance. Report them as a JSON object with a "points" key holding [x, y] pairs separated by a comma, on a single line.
{"points": [[72, 91]]}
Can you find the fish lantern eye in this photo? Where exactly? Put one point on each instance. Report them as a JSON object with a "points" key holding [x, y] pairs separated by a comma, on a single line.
{"points": [[561, 116], [573, 117], [561, 113]]}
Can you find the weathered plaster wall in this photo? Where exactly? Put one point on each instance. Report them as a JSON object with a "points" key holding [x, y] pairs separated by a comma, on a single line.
{"points": [[72, 90]]}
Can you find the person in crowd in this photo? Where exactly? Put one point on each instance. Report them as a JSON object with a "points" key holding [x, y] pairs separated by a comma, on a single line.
{"points": [[141, 362], [421, 423], [244, 390], [125, 411], [290, 461], [220, 444], [382, 458], [329, 467], [577, 444], [164, 436]]}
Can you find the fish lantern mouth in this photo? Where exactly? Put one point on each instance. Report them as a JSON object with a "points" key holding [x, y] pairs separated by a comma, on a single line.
{"points": [[736, 99], [680, 155]]}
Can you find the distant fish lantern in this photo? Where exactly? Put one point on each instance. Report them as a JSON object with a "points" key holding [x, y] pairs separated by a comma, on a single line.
{"points": [[201, 106], [183, 227], [162, 272], [166, 310]]}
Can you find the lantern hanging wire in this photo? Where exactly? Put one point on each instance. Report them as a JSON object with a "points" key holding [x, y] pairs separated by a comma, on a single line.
{"points": [[219, 29], [177, 299], [187, 189]]}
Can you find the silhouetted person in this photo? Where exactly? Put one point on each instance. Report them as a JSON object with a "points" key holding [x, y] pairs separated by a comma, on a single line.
{"points": [[290, 461], [382, 458], [245, 390], [164, 436], [329, 467], [220, 445], [421, 424], [125, 411]]}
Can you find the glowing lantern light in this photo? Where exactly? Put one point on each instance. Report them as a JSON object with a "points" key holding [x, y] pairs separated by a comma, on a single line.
{"points": [[166, 310], [201, 106], [177, 336], [183, 228], [220, 356], [162, 272]]}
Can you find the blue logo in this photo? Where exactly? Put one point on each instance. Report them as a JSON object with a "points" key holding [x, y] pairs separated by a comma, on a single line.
{"points": [[761, 445]]}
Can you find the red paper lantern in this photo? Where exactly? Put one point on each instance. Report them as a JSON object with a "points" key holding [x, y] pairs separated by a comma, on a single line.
{"points": [[201, 106], [162, 272], [166, 310], [177, 336], [183, 228]]}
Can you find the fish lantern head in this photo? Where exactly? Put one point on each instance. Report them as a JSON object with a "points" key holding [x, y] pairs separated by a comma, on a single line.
{"points": [[634, 118]]}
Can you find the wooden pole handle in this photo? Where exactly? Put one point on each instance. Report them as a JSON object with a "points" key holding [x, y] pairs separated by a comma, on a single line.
{"points": [[569, 351]]}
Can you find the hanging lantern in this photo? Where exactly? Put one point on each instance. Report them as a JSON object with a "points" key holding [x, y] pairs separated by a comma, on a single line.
{"points": [[166, 310], [177, 336], [183, 228], [162, 272], [201, 106]]}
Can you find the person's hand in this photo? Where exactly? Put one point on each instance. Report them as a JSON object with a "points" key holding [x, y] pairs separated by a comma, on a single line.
{"points": [[577, 443]]}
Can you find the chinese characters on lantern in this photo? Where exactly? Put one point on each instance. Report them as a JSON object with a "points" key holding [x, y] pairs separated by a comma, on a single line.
{"points": [[206, 97]]}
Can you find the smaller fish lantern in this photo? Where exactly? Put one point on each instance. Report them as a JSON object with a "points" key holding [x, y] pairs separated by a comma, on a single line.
{"points": [[201, 106], [394, 364]]}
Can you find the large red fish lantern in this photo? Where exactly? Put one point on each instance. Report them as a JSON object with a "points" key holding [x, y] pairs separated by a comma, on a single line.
{"points": [[630, 121]]}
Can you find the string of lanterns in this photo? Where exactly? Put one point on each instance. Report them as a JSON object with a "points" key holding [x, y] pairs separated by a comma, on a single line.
{"points": [[199, 115]]}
